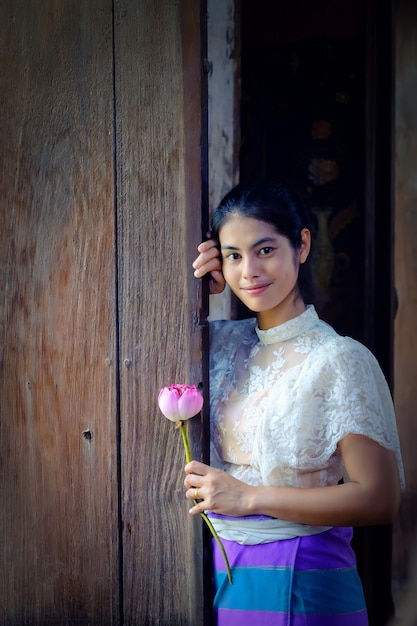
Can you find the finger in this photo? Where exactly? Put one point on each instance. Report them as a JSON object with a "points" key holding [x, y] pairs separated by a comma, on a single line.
{"points": [[197, 508], [205, 257], [212, 265], [208, 244], [192, 481], [211, 252], [196, 467], [217, 282], [194, 493]]}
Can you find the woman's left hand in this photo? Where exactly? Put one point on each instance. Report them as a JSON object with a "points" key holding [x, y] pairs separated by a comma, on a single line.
{"points": [[215, 490]]}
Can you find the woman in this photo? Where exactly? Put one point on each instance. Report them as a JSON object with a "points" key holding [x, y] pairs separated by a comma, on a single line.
{"points": [[303, 435]]}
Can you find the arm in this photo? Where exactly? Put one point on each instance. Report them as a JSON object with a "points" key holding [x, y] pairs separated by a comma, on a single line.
{"points": [[372, 496], [208, 261]]}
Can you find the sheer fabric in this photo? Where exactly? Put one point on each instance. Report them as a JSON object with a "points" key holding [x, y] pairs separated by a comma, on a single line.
{"points": [[282, 399]]}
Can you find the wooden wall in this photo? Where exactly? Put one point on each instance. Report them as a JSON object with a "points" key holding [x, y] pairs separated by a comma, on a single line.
{"points": [[405, 364], [224, 100], [158, 139], [100, 210]]}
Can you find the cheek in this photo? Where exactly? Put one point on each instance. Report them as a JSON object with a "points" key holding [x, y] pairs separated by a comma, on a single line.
{"points": [[232, 278], [228, 272], [296, 260]]}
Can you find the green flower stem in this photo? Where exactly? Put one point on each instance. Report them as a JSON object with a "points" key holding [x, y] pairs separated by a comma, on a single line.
{"points": [[188, 458], [219, 543]]}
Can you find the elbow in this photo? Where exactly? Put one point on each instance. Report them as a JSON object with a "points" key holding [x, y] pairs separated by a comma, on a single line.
{"points": [[386, 507], [392, 507], [386, 516], [394, 501], [378, 504]]}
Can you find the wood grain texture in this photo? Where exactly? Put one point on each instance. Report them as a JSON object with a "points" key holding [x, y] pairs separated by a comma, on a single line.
{"points": [[158, 101], [58, 489], [405, 362], [223, 51]]}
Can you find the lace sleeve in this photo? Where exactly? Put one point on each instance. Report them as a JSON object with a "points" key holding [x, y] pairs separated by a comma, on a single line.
{"points": [[355, 398]]}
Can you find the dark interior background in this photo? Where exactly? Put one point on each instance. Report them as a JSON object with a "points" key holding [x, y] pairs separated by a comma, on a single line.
{"points": [[303, 117], [316, 113]]}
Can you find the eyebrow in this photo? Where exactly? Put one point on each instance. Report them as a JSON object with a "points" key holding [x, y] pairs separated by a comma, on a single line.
{"points": [[254, 245]]}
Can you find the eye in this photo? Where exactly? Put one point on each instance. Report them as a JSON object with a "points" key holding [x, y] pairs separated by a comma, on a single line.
{"points": [[232, 256], [265, 250]]}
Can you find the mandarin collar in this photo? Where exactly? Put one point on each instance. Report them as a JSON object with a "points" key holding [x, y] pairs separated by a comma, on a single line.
{"points": [[288, 330]]}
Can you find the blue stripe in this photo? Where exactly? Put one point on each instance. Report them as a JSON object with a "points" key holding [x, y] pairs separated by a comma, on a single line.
{"points": [[255, 589], [280, 589], [319, 592]]}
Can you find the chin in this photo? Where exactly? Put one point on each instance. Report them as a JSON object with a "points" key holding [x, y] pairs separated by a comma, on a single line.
{"points": [[252, 308]]}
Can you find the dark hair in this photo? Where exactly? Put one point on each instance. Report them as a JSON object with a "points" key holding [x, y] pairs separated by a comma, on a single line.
{"points": [[271, 202]]}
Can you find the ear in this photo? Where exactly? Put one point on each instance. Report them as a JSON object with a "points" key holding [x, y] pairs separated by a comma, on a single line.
{"points": [[305, 245]]}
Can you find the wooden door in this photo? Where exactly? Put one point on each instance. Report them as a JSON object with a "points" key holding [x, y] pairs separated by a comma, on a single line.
{"points": [[159, 227], [100, 205], [58, 472]]}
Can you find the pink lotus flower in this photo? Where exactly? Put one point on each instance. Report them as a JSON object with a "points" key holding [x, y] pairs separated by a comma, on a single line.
{"points": [[180, 402]]}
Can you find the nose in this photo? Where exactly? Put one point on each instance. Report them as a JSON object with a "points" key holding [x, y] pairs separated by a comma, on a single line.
{"points": [[250, 267]]}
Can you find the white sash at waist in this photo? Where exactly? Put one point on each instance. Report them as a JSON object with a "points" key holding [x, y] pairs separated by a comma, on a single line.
{"points": [[254, 530]]}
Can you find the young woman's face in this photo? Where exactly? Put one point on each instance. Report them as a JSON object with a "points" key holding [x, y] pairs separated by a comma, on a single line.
{"points": [[261, 268]]}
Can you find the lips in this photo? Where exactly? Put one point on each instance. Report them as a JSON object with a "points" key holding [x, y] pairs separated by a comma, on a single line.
{"points": [[256, 290]]}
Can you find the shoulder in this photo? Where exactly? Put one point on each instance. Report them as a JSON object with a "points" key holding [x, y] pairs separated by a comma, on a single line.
{"points": [[227, 339], [226, 335], [235, 327], [334, 345], [337, 358]]}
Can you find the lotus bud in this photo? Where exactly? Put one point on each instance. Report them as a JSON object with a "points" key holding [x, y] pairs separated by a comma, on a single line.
{"points": [[180, 402]]}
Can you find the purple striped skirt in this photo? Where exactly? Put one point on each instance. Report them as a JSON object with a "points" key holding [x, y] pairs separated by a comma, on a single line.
{"points": [[305, 581]]}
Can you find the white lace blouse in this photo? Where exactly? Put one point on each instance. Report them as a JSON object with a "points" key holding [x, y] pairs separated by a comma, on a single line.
{"points": [[283, 398]]}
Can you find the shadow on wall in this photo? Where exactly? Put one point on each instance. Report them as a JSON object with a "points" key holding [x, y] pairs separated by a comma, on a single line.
{"points": [[406, 603]]}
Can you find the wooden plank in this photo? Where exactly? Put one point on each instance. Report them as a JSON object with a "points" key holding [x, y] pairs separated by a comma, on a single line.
{"points": [[157, 54], [405, 346], [223, 47], [58, 474]]}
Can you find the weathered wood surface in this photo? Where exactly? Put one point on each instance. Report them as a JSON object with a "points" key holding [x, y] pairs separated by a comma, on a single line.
{"points": [[158, 131], [405, 363], [58, 474], [223, 52], [98, 229]]}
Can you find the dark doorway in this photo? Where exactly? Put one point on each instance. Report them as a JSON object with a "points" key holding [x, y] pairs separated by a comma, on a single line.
{"points": [[303, 121], [316, 112]]}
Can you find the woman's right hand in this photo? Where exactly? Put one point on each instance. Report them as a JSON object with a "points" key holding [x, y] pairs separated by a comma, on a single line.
{"points": [[208, 261]]}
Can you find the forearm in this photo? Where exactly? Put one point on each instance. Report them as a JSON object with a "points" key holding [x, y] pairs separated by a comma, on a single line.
{"points": [[349, 504], [372, 496]]}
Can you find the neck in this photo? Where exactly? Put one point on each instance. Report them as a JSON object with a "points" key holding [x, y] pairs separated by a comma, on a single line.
{"points": [[284, 313]]}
